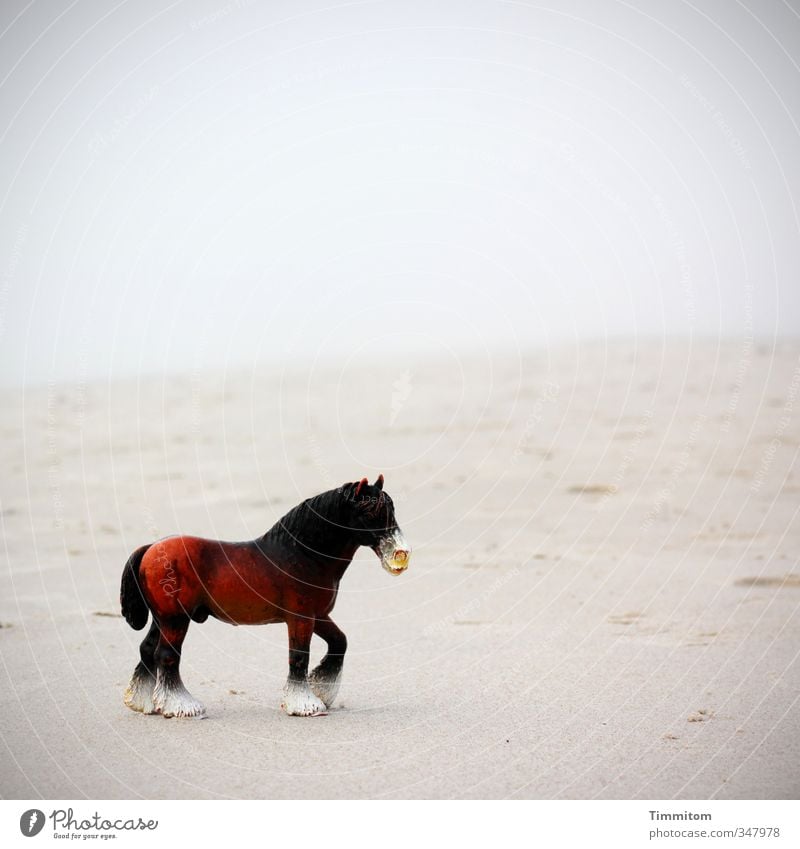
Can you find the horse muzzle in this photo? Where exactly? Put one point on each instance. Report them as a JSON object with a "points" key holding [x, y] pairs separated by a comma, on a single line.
{"points": [[394, 552]]}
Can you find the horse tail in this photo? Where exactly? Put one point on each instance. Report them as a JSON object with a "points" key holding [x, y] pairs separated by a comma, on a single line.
{"points": [[131, 599]]}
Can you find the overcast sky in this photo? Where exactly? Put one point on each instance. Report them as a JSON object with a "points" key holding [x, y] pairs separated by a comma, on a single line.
{"points": [[228, 183]]}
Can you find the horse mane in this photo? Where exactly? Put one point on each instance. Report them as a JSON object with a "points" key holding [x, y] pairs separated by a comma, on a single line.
{"points": [[311, 524]]}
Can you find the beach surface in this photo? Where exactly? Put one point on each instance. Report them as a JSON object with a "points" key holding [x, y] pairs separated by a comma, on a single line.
{"points": [[603, 599]]}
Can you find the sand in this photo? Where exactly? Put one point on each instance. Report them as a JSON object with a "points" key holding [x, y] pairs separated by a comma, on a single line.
{"points": [[603, 601]]}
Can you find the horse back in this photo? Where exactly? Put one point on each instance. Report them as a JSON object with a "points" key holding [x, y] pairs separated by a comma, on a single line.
{"points": [[244, 583], [233, 581]]}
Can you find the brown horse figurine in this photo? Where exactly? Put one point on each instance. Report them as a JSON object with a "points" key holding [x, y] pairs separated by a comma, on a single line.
{"points": [[291, 574]]}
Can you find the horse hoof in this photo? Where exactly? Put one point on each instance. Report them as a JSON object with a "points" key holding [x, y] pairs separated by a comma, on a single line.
{"points": [[314, 707], [130, 701], [180, 705], [190, 713], [324, 685], [304, 711], [139, 695], [176, 702], [298, 700], [186, 709]]}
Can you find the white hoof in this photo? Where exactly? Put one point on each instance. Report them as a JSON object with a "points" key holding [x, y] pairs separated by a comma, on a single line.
{"points": [[325, 685], [173, 699], [139, 695], [298, 700]]}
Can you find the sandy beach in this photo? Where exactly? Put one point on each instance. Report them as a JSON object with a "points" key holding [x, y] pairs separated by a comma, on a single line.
{"points": [[603, 600]]}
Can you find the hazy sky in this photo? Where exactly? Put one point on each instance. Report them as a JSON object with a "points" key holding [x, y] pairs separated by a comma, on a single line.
{"points": [[224, 183]]}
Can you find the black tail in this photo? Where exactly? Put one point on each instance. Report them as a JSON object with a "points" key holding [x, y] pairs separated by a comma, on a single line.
{"points": [[134, 607]]}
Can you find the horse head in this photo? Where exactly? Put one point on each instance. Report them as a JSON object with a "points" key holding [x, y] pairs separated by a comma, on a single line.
{"points": [[371, 518]]}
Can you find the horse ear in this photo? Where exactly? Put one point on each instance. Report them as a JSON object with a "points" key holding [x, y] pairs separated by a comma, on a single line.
{"points": [[362, 482], [379, 482]]}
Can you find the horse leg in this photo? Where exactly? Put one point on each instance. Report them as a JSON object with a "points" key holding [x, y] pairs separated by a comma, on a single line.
{"points": [[139, 695], [170, 697], [298, 700], [325, 679]]}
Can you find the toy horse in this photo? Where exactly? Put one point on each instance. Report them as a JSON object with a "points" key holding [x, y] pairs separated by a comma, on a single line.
{"points": [[290, 574]]}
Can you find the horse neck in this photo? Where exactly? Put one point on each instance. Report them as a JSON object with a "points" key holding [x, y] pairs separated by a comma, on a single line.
{"points": [[315, 527]]}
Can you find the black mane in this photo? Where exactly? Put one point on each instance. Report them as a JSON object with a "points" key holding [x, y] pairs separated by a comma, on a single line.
{"points": [[312, 524]]}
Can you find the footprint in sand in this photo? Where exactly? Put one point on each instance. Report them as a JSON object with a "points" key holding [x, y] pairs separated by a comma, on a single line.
{"points": [[766, 581], [701, 716], [593, 489], [624, 618]]}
